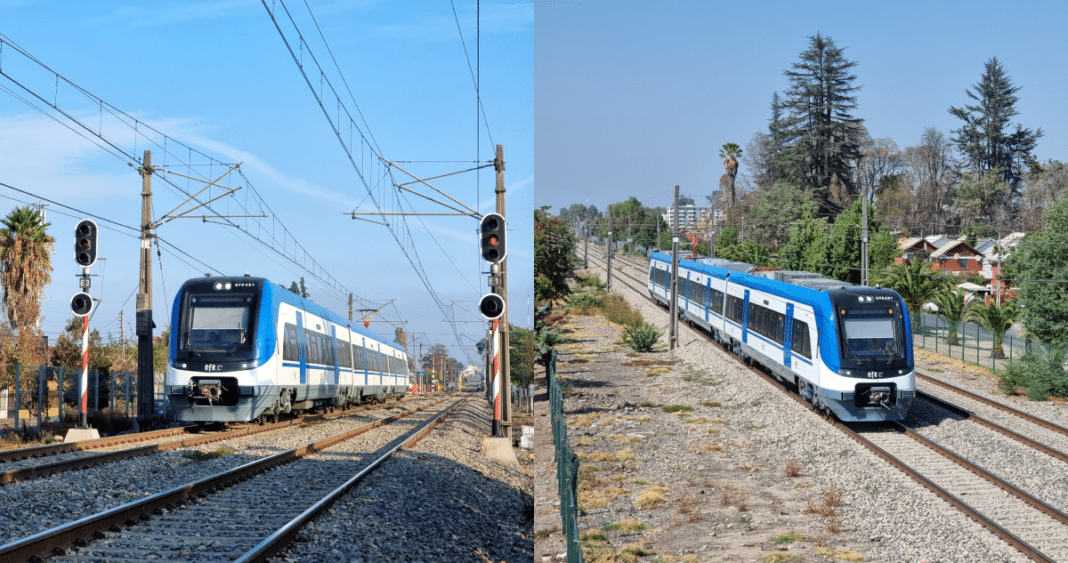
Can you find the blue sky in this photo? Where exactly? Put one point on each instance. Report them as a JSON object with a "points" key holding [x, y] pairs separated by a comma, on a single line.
{"points": [[216, 77], [634, 98]]}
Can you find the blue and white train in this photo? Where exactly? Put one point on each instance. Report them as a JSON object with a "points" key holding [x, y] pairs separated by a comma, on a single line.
{"points": [[244, 349], [848, 348]]}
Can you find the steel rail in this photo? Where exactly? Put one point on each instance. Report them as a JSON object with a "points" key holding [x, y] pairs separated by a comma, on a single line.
{"points": [[285, 535], [1000, 406], [48, 469], [57, 540]]}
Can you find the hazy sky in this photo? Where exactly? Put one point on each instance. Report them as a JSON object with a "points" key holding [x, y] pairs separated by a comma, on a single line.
{"points": [[634, 98], [216, 77]]}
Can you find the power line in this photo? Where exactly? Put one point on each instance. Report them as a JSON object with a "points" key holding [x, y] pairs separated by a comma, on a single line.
{"points": [[193, 160]]}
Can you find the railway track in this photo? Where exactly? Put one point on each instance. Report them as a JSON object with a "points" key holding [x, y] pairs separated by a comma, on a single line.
{"points": [[247, 513], [1031, 525], [42, 461]]}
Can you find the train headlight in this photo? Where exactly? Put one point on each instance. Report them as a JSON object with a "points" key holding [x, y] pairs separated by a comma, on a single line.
{"points": [[221, 286]]}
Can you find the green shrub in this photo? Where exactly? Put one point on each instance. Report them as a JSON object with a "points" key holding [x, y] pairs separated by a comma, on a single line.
{"points": [[1039, 371], [642, 338], [617, 310], [585, 303], [592, 281]]}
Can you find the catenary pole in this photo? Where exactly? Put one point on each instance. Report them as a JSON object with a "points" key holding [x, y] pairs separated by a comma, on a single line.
{"points": [[673, 330], [145, 374]]}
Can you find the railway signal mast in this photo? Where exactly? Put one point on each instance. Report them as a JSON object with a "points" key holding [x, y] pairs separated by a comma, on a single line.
{"points": [[493, 243], [85, 249]]}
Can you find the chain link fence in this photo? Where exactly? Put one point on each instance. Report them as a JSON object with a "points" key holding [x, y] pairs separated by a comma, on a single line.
{"points": [[973, 343], [566, 466]]}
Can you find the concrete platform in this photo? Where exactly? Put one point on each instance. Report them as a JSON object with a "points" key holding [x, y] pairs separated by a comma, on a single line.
{"points": [[499, 449], [79, 434]]}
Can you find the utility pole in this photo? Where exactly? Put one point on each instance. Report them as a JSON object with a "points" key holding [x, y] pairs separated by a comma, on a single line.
{"points": [[673, 331], [350, 307], [145, 374], [506, 380], [864, 240], [586, 252], [608, 286]]}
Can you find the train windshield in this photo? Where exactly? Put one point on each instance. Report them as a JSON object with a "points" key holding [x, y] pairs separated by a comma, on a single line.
{"points": [[873, 338], [216, 327]]}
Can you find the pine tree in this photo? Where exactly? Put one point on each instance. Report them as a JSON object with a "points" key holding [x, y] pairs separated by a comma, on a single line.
{"points": [[820, 133], [985, 140]]}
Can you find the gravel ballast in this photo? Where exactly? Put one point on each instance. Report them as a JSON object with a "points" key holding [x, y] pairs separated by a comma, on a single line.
{"points": [[731, 449]]}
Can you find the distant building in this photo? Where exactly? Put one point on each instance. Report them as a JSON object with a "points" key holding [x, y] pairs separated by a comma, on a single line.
{"points": [[913, 246], [958, 257], [687, 215]]}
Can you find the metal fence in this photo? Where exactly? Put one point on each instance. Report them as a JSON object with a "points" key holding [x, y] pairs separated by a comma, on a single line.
{"points": [[974, 344], [566, 467], [33, 396]]}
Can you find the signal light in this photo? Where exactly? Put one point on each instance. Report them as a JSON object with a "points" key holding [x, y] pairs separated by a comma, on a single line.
{"points": [[81, 304], [85, 243], [493, 229], [491, 306]]}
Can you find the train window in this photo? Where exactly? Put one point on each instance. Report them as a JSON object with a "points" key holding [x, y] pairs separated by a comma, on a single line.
{"points": [[716, 297], [312, 351], [372, 360], [734, 308], [328, 351], [344, 354], [290, 352], [358, 355], [778, 328], [801, 344]]}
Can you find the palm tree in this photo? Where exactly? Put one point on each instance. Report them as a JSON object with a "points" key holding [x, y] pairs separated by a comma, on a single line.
{"points": [[730, 152], [997, 319], [951, 306], [26, 259], [916, 283]]}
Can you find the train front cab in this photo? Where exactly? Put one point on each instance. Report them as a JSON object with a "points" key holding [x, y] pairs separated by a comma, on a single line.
{"points": [[867, 372], [215, 354]]}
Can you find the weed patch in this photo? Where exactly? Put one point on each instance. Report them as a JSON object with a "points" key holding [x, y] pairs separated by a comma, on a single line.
{"points": [[197, 455], [651, 497], [676, 408]]}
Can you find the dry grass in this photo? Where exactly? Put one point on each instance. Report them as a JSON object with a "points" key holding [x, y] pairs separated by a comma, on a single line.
{"points": [[734, 497], [844, 555], [780, 558], [793, 468], [648, 362], [826, 507], [653, 372], [621, 456], [626, 525], [600, 498], [622, 438], [687, 507], [651, 497], [706, 447], [584, 420]]}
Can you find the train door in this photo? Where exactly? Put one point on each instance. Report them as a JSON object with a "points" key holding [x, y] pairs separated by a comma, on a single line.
{"points": [[745, 317], [333, 344], [302, 347], [788, 336]]}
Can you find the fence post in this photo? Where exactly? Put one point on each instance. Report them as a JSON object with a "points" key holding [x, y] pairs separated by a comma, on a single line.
{"points": [[111, 392], [126, 397], [59, 377], [40, 397], [18, 394]]}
